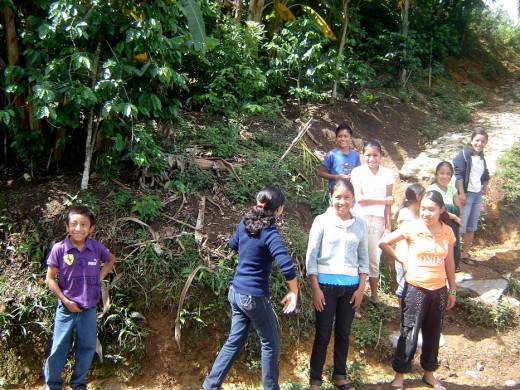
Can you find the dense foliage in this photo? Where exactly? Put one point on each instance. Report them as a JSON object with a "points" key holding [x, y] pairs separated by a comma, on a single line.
{"points": [[78, 77]]}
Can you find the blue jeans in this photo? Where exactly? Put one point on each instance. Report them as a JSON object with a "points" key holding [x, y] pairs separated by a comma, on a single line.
{"points": [[247, 310], [471, 212], [399, 277], [337, 311], [84, 346]]}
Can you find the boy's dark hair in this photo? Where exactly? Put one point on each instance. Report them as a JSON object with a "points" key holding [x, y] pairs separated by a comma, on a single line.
{"points": [[342, 183], [479, 131], [261, 216], [436, 197], [81, 210], [344, 126]]}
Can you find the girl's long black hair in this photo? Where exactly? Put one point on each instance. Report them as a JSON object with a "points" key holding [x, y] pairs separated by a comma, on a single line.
{"points": [[261, 216], [436, 197]]}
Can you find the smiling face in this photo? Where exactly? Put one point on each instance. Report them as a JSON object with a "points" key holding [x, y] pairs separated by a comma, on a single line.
{"points": [[478, 143], [343, 139], [342, 199], [78, 228], [372, 157], [430, 212], [443, 176]]}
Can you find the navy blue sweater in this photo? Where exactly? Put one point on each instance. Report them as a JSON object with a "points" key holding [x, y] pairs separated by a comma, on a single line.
{"points": [[255, 258]]}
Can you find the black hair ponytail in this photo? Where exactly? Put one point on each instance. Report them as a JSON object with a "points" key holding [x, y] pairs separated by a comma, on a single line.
{"points": [[262, 216]]}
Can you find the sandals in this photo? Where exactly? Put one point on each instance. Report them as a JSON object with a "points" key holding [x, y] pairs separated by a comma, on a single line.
{"points": [[375, 301], [345, 386], [437, 386], [394, 387], [468, 260], [358, 315]]}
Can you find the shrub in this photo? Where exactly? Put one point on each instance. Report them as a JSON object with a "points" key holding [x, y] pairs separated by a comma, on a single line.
{"points": [[509, 171], [147, 207]]}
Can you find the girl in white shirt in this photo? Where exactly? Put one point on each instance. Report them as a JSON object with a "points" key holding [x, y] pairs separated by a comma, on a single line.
{"points": [[373, 184]]}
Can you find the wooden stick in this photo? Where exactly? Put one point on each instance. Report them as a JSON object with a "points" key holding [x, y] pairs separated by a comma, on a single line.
{"points": [[298, 137]]}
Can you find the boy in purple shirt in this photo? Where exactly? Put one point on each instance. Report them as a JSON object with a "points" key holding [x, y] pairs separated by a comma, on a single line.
{"points": [[76, 261]]}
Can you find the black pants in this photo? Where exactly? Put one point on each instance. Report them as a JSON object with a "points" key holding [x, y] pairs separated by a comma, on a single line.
{"points": [[422, 309], [337, 299]]}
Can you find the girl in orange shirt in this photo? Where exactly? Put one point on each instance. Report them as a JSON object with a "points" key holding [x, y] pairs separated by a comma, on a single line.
{"points": [[428, 264]]}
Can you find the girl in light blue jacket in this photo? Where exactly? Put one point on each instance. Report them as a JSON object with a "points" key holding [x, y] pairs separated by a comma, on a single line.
{"points": [[337, 266]]}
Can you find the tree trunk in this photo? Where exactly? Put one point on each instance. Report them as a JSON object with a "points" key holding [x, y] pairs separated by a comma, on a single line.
{"points": [[238, 11], [342, 44], [13, 55], [255, 10], [89, 145], [406, 7]]}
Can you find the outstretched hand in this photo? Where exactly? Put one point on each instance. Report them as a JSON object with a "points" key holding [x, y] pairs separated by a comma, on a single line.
{"points": [[289, 302]]}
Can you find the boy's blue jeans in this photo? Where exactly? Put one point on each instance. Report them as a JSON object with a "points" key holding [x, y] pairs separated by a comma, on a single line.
{"points": [[84, 346], [247, 310]]}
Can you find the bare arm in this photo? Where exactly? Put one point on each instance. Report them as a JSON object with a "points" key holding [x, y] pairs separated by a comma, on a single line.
{"points": [[50, 280], [107, 267], [462, 194], [386, 242], [318, 299], [449, 266], [388, 209], [324, 172]]}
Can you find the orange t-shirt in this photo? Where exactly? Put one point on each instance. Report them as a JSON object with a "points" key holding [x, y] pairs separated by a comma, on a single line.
{"points": [[427, 253]]}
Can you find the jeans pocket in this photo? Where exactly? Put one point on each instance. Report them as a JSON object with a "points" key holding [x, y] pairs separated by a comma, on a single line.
{"points": [[326, 287], [248, 302]]}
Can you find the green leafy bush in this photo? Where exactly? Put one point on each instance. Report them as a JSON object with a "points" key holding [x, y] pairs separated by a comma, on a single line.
{"points": [[147, 207], [497, 316], [509, 172], [304, 64]]}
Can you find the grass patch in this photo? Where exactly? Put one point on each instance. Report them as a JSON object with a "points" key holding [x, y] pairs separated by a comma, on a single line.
{"points": [[509, 171], [498, 316]]}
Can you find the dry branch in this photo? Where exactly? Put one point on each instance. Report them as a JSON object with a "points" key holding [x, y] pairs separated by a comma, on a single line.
{"points": [[177, 326], [179, 221], [302, 132]]}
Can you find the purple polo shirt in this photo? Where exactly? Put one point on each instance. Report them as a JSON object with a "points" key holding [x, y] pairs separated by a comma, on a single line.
{"points": [[78, 272]]}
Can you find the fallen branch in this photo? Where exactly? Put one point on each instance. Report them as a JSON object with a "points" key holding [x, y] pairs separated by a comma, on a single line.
{"points": [[217, 205], [179, 221], [155, 236], [302, 132], [199, 236], [177, 326]]}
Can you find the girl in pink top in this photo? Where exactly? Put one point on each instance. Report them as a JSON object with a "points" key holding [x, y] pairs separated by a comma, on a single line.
{"points": [[427, 266]]}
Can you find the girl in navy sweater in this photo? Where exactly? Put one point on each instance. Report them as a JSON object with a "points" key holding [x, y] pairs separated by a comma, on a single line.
{"points": [[259, 245]]}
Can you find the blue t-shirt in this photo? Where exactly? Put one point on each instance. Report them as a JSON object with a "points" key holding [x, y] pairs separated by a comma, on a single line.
{"points": [[339, 163], [256, 255]]}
